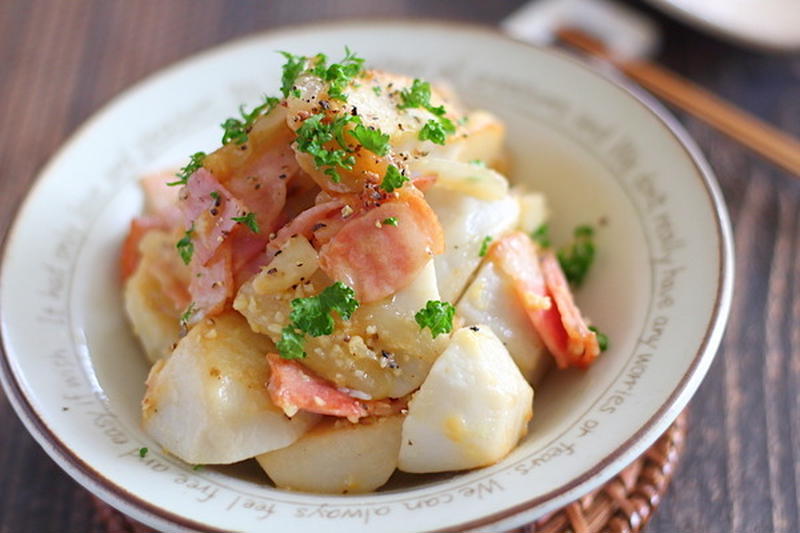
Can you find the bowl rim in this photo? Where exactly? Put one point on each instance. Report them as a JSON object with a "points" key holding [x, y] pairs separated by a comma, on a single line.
{"points": [[119, 497]]}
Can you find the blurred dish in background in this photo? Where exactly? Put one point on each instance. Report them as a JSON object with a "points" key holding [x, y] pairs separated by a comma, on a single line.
{"points": [[770, 24]]}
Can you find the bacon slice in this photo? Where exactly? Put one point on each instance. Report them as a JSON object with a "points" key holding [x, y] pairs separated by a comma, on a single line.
{"points": [[546, 298], [247, 254], [581, 341], [261, 187], [293, 387], [424, 182], [211, 284], [129, 256], [161, 212], [158, 196], [305, 223], [208, 208], [377, 260]]}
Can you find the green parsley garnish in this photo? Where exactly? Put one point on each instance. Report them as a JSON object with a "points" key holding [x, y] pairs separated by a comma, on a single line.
{"points": [[577, 257], [376, 89], [436, 131], [143, 452], [602, 338], [185, 246], [195, 162], [317, 130], [214, 195], [478, 163], [419, 95], [197, 467], [236, 130], [187, 315], [485, 246], [436, 316], [312, 136], [338, 75], [312, 315], [393, 179], [391, 221], [372, 139], [291, 344], [541, 235], [291, 70], [248, 220]]}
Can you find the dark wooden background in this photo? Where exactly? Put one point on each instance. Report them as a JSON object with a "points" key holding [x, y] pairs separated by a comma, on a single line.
{"points": [[61, 60]]}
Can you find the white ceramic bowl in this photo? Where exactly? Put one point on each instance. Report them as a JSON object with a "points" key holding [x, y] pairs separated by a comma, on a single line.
{"points": [[660, 288]]}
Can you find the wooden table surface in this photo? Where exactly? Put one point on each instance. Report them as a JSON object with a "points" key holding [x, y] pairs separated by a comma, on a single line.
{"points": [[61, 60]]}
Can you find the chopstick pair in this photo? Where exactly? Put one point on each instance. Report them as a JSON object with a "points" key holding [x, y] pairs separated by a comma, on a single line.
{"points": [[752, 132]]}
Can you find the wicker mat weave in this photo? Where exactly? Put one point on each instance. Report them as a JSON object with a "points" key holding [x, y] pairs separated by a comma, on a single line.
{"points": [[623, 505]]}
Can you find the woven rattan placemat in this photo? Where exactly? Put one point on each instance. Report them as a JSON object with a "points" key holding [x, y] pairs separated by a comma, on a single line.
{"points": [[623, 505]]}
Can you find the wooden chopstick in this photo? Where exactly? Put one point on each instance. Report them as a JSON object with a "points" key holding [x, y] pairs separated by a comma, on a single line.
{"points": [[772, 143]]}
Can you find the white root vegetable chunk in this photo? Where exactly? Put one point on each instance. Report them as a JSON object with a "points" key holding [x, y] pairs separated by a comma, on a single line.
{"points": [[471, 410], [380, 351], [465, 178], [490, 299], [466, 221], [533, 211], [338, 457], [481, 140], [153, 315], [150, 312], [208, 402]]}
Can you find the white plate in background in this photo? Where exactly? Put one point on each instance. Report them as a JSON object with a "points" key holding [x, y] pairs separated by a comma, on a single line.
{"points": [[769, 24]]}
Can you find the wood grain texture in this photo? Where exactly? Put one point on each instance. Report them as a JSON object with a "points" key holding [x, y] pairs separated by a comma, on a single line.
{"points": [[61, 60]]}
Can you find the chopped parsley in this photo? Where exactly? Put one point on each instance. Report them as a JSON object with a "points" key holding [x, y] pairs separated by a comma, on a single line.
{"points": [[541, 235], [391, 221], [577, 257], [236, 130], [187, 315], [291, 70], [318, 130], [393, 179], [340, 298], [602, 338], [436, 316], [436, 131], [419, 96], [338, 75], [312, 315], [185, 246], [485, 246], [478, 163], [291, 344], [248, 220], [143, 452], [377, 90], [312, 136], [372, 139], [195, 162], [197, 467], [214, 195]]}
